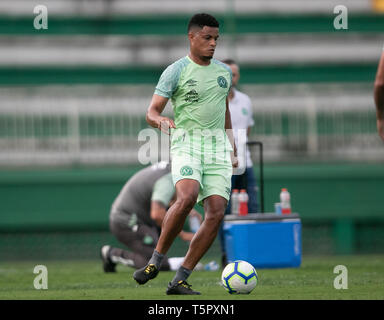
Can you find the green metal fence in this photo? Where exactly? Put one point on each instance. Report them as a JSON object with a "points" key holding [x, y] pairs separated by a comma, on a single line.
{"points": [[76, 134]]}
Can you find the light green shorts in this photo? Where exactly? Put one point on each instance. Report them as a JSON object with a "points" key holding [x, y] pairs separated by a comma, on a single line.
{"points": [[214, 177]]}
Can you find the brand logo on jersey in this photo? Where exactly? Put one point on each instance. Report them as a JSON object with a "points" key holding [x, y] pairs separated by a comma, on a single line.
{"points": [[228, 190], [186, 171], [192, 96], [244, 111], [222, 82], [191, 83]]}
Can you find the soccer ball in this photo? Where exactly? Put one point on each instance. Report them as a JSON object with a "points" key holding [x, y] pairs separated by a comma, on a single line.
{"points": [[239, 277]]}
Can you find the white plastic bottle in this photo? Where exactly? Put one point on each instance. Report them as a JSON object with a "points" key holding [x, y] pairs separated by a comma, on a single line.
{"points": [[211, 266], [285, 200], [194, 223], [243, 202], [235, 202]]}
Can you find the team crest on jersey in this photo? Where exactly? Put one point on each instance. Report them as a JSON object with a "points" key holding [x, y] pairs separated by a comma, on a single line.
{"points": [[186, 171], [191, 83], [192, 96], [222, 82]]}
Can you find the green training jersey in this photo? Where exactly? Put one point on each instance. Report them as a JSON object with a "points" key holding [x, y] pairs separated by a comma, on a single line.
{"points": [[198, 93]]}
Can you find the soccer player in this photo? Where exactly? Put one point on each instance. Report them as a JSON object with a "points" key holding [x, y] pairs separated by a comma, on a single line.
{"points": [[379, 97], [136, 217], [202, 158]]}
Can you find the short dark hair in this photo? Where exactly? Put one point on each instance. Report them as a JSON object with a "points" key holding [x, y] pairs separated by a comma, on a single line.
{"points": [[202, 19], [229, 61]]}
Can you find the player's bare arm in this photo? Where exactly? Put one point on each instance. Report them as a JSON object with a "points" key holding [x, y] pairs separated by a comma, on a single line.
{"points": [[228, 129], [154, 117], [158, 211], [187, 236], [379, 97]]}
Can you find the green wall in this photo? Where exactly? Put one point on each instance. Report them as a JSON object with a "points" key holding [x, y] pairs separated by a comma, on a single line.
{"points": [[82, 196], [328, 191], [59, 198]]}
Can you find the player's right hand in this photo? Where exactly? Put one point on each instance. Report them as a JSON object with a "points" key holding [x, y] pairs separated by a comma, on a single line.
{"points": [[165, 124]]}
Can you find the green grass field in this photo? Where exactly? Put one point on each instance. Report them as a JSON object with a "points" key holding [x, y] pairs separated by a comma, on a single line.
{"points": [[79, 280]]}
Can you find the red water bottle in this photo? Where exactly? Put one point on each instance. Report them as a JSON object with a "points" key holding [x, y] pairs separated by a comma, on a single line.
{"points": [[285, 199], [243, 202]]}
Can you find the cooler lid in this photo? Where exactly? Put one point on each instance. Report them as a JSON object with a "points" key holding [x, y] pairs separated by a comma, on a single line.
{"points": [[264, 217]]}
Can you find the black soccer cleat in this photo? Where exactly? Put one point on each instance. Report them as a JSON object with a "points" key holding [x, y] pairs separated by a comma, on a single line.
{"points": [[108, 265], [181, 287], [145, 274]]}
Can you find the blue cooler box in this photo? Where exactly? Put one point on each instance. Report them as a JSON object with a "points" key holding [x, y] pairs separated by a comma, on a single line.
{"points": [[265, 240]]}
